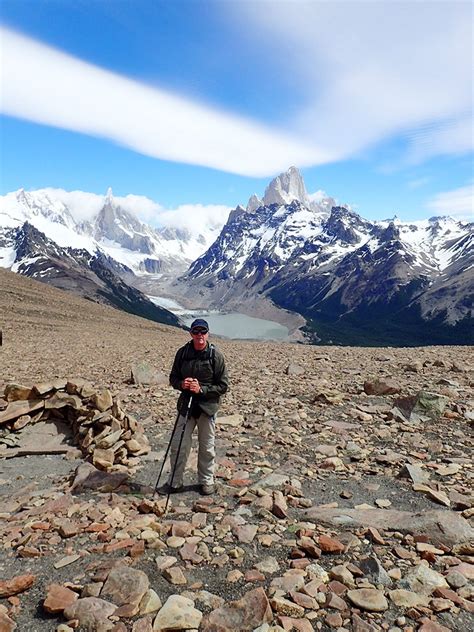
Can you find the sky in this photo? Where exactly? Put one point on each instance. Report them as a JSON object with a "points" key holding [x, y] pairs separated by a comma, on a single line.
{"points": [[191, 106]]}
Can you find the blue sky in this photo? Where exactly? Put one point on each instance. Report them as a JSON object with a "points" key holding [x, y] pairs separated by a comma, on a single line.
{"points": [[202, 102]]}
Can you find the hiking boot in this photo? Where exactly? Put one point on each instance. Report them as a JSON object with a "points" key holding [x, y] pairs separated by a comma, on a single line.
{"points": [[208, 490], [166, 489]]}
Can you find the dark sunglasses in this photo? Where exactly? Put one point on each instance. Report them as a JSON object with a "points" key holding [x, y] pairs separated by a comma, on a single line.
{"points": [[196, 332]]}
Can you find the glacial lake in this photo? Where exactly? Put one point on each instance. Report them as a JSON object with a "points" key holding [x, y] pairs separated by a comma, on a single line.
{"points": [[229, 324]]}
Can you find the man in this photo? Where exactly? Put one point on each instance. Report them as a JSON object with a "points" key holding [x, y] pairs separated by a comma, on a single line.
{"points": [[199, 372]]}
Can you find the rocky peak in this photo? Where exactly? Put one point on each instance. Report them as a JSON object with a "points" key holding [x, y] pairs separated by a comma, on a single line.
{"points": [[237, 212], [391, 233], [30, 242], [341, 223], [285, 188], [254, 203]]}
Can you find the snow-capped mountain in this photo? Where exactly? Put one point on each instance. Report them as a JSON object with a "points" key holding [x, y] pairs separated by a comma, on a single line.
{"points": [[353, 279], [286, 188], [113, 231], [94, 276]]}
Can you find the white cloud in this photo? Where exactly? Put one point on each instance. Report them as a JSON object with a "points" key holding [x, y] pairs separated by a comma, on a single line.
{"points": [[318, 195], [371, 71], [367, 72], [82, 205], [457, 203], [46, 86], [143, 207], [195, 216]]}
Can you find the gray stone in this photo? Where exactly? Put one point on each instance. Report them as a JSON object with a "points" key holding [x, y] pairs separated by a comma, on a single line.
{"points": [[143, 373], [422, 404], [441, 527], [89, 477], [415, 473], [374, 570], [423, 579], [91, 612], [456, 580], [294, 369]]}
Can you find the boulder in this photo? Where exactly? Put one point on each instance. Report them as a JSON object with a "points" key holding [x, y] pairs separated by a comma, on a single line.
{"points": [[125, 585], [91, 612], [59, 598], [441, 527], [143, 373]]}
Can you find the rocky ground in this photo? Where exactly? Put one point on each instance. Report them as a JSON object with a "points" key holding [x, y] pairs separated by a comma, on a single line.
{"points": [[344, 501]]}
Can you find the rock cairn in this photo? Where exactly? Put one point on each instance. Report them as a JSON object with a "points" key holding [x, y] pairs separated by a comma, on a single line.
{"points": [[106, 435]]}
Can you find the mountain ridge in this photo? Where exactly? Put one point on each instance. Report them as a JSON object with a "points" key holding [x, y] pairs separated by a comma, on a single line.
{"points": [[287, 252], [340, 268]]}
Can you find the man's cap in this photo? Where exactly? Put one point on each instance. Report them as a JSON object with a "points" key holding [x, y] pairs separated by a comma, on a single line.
{"points": [[199, 323]]}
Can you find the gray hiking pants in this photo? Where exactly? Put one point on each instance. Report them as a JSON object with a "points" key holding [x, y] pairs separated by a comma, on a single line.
{"points": [[206, 452]]}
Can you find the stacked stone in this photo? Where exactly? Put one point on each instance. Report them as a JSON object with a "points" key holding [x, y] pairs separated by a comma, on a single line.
{"points": [[106, 435]]}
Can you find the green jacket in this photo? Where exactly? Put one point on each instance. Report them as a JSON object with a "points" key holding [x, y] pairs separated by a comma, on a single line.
{"points": [[207, 366]]}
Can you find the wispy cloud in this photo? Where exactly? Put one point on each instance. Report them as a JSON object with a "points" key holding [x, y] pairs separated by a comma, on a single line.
{"points": [[46, 86], [458, 203], [417, 183], [368, 72], [372, 71]]}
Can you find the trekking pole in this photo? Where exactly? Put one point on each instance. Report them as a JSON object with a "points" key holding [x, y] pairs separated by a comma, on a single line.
{"points": [[166, 454], [188, 410]]}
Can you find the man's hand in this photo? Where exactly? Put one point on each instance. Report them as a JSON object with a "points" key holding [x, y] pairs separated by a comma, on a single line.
{"points": [[191, 384]]}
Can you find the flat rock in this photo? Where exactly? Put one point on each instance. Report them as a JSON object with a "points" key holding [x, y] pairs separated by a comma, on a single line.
{"points": [[408, 599], [244, 615], [245, 533], [415, 473], [294, 369], [178, 613], [10, 587], [286, 607], [368, 599], [19, 408], [102, 400], [88, 477], [230, 420], [441, 527]]}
